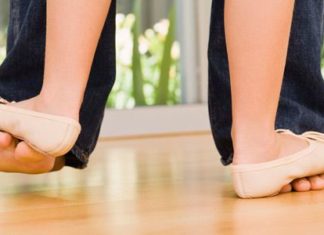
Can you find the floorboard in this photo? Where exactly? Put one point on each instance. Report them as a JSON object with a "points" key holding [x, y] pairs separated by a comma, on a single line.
{"points": [[168, 185]]}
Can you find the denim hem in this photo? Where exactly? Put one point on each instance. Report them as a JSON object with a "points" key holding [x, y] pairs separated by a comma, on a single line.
{"points": [[227, 160], [77, 158]]}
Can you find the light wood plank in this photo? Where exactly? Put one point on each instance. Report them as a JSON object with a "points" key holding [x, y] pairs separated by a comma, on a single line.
{"points": [[167, 185]]}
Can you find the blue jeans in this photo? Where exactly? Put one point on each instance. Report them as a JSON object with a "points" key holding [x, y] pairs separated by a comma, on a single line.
{"points": [[21, 74], [301, 106]]}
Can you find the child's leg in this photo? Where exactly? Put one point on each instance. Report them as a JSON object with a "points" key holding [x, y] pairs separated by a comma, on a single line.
{"points": [[73, 31], [72, 34], [257, 36]]}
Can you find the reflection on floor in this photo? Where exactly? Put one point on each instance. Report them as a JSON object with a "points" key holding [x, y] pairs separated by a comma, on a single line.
{"points": [[169, 185]]}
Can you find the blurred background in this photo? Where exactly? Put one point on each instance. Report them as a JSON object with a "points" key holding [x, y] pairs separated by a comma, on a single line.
{"points": [[4, 6]]}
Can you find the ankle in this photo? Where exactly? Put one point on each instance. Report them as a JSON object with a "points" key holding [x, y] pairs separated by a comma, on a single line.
{"points": [[253, 136], [65, 107], [72, 97], [255, 146]]}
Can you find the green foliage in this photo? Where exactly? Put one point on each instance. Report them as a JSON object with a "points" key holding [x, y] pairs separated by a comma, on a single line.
{"points": [[2, 45], [147, 64], [162, 93], [138, 83]]}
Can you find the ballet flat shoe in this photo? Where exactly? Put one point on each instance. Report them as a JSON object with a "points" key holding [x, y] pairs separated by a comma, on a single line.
{"points": [[46, 133], [267, 178]]}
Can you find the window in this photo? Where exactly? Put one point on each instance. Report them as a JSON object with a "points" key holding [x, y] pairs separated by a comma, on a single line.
{"points": [[148, 55], [191, 34]]}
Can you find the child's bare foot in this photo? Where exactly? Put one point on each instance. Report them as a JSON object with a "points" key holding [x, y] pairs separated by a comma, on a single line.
{"points": [[58, 106], [277, 146]]}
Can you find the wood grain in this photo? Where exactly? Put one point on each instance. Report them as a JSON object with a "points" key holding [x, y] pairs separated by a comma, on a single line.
{"points": [[167, 185]]}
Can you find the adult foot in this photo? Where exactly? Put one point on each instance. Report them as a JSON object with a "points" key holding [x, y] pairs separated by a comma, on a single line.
{"points": [[10, 163], [276, 146]]}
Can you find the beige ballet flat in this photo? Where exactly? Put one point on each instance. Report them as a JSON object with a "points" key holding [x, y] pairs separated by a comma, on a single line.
{"points": [[267, 179], [49, 134]]}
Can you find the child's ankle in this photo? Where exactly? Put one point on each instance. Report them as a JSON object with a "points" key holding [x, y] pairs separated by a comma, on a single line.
{"points": [[65, 107]]}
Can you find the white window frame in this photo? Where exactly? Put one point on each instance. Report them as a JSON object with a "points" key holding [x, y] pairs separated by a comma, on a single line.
{"points": [[152, 120]]}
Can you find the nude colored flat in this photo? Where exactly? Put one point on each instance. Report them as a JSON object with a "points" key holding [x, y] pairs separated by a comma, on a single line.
{"points": [[49, 134], [267, 179]]}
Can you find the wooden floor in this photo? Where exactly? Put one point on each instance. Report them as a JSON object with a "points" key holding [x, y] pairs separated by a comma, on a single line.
{"points": [[169, 185]]}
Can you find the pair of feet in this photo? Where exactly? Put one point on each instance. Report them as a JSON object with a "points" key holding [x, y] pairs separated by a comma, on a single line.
{"points": [[275, 146], [18, 156]]}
